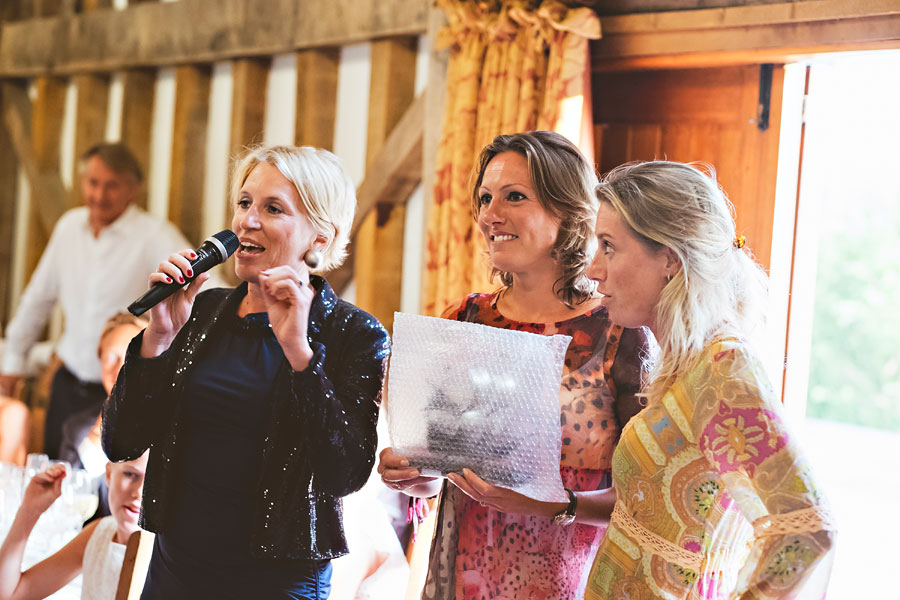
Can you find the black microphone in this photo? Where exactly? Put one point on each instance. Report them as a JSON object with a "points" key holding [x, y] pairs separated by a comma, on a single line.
{"points": [[214, 250]]}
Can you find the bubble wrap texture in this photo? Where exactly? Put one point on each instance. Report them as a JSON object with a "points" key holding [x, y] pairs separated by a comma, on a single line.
{"points": [[469, 395]]}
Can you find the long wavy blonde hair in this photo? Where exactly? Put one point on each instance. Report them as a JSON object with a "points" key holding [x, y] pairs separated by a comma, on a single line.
{"points": [[719, 289]]}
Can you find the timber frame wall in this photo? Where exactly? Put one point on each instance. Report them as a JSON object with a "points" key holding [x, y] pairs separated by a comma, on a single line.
{"points": [[46, 46]]}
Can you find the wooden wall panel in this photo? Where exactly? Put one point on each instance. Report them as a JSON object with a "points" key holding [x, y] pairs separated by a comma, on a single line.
{"points": [[704, 115], [90, 116], [378, 246], [317, 77], [8, 178], [138, 94], [46, 129], [192, 85], [250, 77], [92, 5], [52, 8], [248, 104]]}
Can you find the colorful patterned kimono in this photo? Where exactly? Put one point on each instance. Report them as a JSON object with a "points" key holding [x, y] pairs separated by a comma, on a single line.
{"points": [[714, 500], [479, 552]]}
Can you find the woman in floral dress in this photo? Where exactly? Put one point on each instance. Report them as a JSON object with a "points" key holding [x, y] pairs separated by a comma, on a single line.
{"points": [[712, 497], [535, 206]]}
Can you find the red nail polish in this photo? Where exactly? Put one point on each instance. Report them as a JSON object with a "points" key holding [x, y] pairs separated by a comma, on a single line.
{"points": [[190, 273], [181, 280], [168, 280]]}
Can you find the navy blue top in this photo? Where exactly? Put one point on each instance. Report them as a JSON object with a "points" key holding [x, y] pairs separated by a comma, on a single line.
{"points": [[319, 435], [227, 405]]}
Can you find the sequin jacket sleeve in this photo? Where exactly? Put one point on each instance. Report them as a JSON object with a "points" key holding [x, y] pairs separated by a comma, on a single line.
{"points": [[131, 427], [741, 430], [320, 437], [340, 405]]}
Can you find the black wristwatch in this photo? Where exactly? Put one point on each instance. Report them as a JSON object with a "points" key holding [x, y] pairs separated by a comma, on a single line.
{"points": [[567, 515]]}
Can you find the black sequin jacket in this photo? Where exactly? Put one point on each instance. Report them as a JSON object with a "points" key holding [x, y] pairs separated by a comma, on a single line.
{"points": [[320, 438]]}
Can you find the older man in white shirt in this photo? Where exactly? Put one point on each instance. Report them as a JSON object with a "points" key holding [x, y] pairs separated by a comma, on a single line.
{"points": [[97, 261]]}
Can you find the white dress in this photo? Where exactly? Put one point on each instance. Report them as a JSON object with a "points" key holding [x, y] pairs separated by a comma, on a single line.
{"points": [[102, 562]]}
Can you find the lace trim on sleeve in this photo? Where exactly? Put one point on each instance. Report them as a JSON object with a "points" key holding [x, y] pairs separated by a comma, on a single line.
{"points": [[805, 520], [654, 543]]}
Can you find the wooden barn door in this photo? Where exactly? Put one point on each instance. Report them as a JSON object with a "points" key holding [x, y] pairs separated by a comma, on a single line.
{"points": [[716, 115]]}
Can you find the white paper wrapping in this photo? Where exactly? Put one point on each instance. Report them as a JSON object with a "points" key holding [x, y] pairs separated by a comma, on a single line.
{"points": [[469, 395]]}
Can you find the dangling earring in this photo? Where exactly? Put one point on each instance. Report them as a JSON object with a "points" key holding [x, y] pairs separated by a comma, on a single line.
{"points": [[668, 278], [312, 258]]}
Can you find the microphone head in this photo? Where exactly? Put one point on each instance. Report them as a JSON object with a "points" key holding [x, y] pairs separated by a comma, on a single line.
{"points": [[226, 242]]}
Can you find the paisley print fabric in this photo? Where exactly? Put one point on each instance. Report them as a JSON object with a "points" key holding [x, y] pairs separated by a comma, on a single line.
{"points": [[697, 468], [478, 552]]}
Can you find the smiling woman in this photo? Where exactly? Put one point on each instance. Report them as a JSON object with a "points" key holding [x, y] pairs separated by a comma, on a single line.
{"points": [[260, 402], [534, 203]]}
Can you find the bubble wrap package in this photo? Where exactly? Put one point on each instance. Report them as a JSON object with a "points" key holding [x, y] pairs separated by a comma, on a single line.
{"points": [[469, 395]]}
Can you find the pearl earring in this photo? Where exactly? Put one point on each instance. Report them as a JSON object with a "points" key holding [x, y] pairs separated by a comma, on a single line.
{"points": [[312, 258]]}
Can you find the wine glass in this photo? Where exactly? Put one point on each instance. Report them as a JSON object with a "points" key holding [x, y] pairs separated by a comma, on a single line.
{"points": [[84, 494]]}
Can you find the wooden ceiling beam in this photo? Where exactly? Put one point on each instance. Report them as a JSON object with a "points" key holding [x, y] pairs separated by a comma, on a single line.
{"points": [[763, 33], [190, 31]]}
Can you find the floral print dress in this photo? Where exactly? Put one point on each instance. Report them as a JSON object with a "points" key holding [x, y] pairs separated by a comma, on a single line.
{"points": [[714, 499], [480, 553]]}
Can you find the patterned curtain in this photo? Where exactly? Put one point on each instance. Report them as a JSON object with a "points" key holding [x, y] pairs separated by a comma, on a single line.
{"points": [[513, 65]]}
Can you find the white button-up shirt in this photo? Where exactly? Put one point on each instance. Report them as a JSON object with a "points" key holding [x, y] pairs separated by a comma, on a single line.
{"points": [[93, 278]]}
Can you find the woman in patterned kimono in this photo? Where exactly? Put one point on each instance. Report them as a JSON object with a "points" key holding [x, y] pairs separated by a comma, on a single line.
{"points": [[535, 206], [712, 497]]}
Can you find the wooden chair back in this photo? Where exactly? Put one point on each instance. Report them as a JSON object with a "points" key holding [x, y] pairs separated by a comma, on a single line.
{"points": [[135, 565]]}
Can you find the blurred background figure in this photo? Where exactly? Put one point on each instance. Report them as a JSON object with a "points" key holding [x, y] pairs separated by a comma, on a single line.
{"points": [[95, 264], [97, 551], [15, 425]]}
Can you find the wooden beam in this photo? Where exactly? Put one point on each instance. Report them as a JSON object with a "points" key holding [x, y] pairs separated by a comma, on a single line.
{"points": [[138, 94], [396, 170], [45, 183], [46, 128], [52, 8], [192, 85], [92, 5], [193, 31], [250, 79], [8, 188], [394, 174], [378, 247], [744, 34], [90, 116], [13, 10], [248, 102], [317, 77]]}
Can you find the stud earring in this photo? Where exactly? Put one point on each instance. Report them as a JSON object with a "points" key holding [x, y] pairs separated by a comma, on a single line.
{"points": [[312, 258]]}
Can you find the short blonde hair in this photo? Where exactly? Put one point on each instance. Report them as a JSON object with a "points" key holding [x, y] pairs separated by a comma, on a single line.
{"points": [[564, 182], [719, 289], [327, 194]]}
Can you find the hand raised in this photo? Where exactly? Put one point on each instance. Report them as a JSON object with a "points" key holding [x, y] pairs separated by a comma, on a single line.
{"points": [[288, 296], [169, 316], [43, 489]]}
